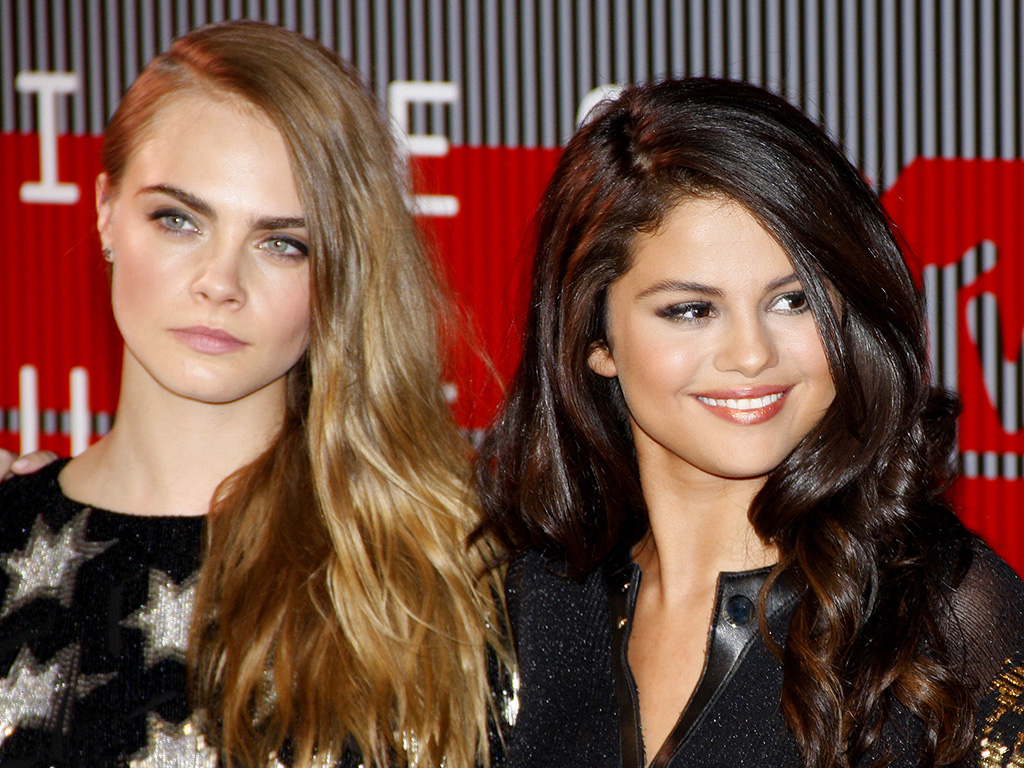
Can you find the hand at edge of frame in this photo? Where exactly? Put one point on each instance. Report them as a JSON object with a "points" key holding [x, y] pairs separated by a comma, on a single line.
{"points": [[11, 465]]}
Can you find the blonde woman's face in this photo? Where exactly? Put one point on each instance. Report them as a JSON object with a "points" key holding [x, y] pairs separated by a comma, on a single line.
{"points": [[210, 283]]}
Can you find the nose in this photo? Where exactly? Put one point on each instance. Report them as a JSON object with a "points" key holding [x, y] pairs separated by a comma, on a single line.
{"points": [[747, 347], [218, 275]]}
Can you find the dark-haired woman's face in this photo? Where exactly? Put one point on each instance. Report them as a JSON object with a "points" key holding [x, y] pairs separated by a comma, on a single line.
{"points": [[712, 341]]}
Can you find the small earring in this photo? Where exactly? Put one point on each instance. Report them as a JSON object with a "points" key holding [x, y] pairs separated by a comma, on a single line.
{"points": [[108, 255]]}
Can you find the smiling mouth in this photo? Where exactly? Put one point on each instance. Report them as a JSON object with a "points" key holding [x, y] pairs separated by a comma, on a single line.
{"points": [[745, 411], [743, 403]]}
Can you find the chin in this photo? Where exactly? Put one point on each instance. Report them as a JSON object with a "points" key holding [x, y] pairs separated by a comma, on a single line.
{"points": [[749, 470]]}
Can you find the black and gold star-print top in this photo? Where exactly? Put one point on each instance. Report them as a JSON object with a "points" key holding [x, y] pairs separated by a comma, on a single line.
{"points": [[1001, 725], [93, 625]]}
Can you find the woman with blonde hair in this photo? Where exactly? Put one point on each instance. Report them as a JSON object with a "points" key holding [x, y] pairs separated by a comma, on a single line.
{"points": [[281, 505]]}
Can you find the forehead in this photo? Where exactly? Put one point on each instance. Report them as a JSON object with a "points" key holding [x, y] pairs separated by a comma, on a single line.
{"points": [[714, 241], [218, 147]]}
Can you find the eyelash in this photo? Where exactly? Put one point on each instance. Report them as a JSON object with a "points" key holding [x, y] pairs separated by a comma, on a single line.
{"points": [[162, 215], [680, 312], [302, 248], [684, 312], [794, 297], [190, 226]]}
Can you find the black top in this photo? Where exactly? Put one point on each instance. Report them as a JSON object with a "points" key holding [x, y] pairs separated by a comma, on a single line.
{"points": [[96, 608], [577, 702], [93, 626]]}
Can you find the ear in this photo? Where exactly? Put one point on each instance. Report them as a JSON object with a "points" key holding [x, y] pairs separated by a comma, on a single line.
{"points": [[103, 206], [601, 361]]}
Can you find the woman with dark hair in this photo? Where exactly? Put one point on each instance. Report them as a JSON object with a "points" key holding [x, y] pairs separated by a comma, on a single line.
{"points": [[721, 465]]}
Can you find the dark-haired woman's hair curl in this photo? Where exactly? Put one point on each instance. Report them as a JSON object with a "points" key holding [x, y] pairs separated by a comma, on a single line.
{"points": [[857, 511]]}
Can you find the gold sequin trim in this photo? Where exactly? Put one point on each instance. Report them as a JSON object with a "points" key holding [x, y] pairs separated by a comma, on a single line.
{"points": [[997, 749]]}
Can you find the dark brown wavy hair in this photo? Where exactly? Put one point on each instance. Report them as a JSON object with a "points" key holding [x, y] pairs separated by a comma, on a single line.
{"points": [[856, 511]]}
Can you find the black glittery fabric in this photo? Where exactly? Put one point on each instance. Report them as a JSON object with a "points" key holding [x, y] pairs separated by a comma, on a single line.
{"points": [[568, 713], [94, 607], [93, 625]]}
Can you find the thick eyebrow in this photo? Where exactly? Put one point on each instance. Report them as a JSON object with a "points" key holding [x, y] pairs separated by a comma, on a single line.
{"points": [[670, 286], [203, 208], [677, 286], [197, 204], [279, 223]]}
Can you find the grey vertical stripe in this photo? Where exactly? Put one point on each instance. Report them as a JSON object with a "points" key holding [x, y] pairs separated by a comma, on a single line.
{"points": [[908, 87], [622, 52], [528, 81], [889, 107], [870, 161], [968, 136], [492, 67], [398, 27], [434, 27], [677, 39], [79, 104], [585, 27], [928, 50], [566, 92], [460, 111], [130, 49], [987, 93], [660, 31], [695, 24], [473, 92], [113, 58], [24, 61], [950, 340], [830, 77], [8, 46], [1009, 87], [510, 73], [548, 75], [641, 36], [773, 27]]}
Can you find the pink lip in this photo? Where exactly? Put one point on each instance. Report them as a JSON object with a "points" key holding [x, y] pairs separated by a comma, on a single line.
{"points": [[209, 340], [745, 417]]}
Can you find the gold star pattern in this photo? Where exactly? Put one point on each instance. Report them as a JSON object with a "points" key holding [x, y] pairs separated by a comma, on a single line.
{"points": [[166, 616], [48, 565]]}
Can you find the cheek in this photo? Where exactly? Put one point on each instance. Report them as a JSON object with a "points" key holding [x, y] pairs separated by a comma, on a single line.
{"points": [[135, 289], [658, 360], [810, 356], [290, 311]]}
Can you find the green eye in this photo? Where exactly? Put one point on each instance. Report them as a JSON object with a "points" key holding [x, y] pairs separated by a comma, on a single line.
{"points": [[286, 247]]}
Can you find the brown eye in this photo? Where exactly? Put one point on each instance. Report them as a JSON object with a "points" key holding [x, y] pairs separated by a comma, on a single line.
{"points": [[689, 311], [792, 303]]}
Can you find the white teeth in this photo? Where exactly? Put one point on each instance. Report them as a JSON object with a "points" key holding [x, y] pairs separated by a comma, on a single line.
{"points": [[743, 403]]}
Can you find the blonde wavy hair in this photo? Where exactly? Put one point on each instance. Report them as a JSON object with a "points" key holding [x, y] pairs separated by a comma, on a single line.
{"points": [[338, 604]]}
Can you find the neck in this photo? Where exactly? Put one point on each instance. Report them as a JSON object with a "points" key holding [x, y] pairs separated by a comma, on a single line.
{"points": [[166, 454], [699, 527]]}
